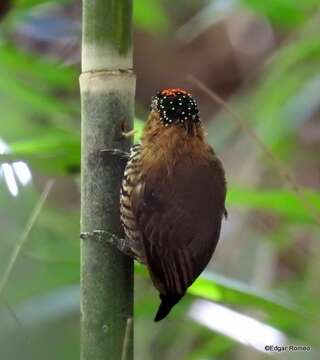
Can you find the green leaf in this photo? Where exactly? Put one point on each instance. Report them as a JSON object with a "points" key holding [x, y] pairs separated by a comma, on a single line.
{"points": [[284, 12], [229, 291], [56, 237], [150, 15], [281, 202], [27, 4], [36, 95], [282, 101], [295, 67], [221, 289], [55, 152], [280, 312], [45, 72]]}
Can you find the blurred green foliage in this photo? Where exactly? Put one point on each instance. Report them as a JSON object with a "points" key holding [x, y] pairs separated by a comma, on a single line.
{"points": [[284, 12], [150, 15], [283, 203]]}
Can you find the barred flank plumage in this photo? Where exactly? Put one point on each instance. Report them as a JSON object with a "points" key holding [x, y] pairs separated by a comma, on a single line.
{"points": [[130, 180]]}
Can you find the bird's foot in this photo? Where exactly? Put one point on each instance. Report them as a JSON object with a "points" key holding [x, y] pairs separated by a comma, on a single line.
{"points": [[101, 235], [115, 154], [129, 134]]}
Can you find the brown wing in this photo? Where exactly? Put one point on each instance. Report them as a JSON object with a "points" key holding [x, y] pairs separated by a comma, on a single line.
{"points": [[180, 217]]}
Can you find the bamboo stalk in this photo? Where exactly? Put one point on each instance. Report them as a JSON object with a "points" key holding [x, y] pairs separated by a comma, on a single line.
{"points": [[107, 86]]}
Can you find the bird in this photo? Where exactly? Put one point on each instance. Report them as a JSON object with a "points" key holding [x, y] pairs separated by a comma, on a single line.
{"points": [[172, 198]]}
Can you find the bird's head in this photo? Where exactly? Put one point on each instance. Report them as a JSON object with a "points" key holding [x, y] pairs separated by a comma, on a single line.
{"points": [[175, 107], [173, 130]]}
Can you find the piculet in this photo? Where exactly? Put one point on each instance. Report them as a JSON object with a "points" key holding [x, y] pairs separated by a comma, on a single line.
{"points": [[172, 199]]}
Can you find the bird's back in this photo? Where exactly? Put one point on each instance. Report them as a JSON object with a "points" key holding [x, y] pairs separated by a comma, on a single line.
{"points": [[176, 216]]}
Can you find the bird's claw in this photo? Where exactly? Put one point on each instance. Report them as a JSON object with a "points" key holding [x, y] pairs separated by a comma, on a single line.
{"points": [[117, 154], [128, 134], [102, 235]]}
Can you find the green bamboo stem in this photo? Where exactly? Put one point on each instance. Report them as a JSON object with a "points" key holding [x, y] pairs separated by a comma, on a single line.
{"points": [[107, 95]]}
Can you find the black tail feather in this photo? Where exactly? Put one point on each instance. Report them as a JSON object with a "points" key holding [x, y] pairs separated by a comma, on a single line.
{"points": [[167, 303]]}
